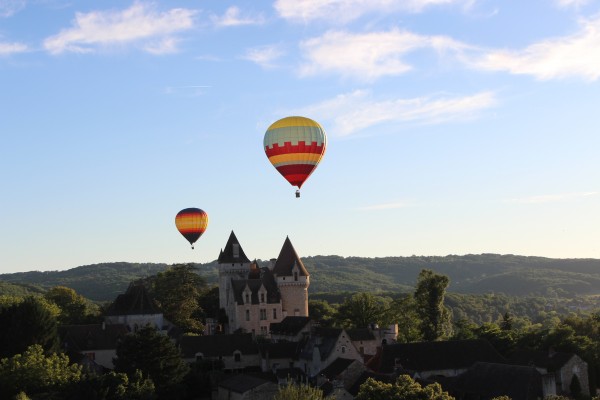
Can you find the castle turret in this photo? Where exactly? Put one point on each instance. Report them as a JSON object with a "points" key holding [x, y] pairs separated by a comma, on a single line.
{"points": [[293, 280], [233, 264]]}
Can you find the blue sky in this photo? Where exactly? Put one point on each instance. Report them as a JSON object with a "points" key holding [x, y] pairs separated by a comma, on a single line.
{"points": [[454, 127]]}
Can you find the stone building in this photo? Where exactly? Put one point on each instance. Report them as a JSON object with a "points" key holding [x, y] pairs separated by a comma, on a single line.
{"points": [[253, 297]]}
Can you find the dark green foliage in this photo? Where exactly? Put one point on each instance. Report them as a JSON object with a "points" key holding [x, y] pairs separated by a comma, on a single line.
{"points": [[35, 373], [322, 312], [73, 306], [27, 322], [429, 297], [177, 291], [361, 310], [404, 388], [113, 386], [293, 391], [155, 355]]}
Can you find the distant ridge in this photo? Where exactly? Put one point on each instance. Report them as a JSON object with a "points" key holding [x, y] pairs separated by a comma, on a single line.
{"points": [[473, 273]]}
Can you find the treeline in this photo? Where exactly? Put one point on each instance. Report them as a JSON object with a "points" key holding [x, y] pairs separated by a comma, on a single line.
{"points": [[474, 274]]}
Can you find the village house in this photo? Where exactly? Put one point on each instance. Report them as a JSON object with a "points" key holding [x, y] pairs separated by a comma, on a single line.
{"points": [[93, 345]]}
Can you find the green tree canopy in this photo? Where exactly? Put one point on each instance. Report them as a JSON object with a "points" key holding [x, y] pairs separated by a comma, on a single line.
{"points": [[27, 322], [363, 309], [404, 388], [73, 306], [429, 296], [292, 391], [33, 373], [178, 290], [155, 355]]}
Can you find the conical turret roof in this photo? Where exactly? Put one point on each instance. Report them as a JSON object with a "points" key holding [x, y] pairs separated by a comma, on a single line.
{"points": [[233, 252], [287, 259]]}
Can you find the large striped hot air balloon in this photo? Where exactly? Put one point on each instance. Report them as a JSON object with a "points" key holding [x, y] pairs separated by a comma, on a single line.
{"points": [[295, 146], [191, 223]]}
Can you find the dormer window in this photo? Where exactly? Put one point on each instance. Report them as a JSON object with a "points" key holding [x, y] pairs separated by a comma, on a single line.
{"points": [[236, 250], [262, 297], [295, 276], [237, 356], [247, 301]]}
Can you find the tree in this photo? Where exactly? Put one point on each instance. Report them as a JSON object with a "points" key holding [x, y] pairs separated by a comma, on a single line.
{"points": [[30, 321], [155, 355], [404, 388], [429, 296], [322, 312], [405, 314], [292, 391], [73, 306], [507, 322], [114, 386], [177, 290], [33, 372], [361, 310]]}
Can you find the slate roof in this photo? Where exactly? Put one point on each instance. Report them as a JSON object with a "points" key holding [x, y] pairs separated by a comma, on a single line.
{"points": [[430, 356], [81, 338], [490, 380], [227, 255], [135, 301], [266, 278], [338, 366], [242, 383], [358, 334], [217, 345], [551, 361], [280, 350], [324, 339], [290, 326], [287, 259]]}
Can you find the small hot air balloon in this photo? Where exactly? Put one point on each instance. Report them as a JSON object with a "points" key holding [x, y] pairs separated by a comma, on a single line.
{"points": [[295, 146], [191, 223]]}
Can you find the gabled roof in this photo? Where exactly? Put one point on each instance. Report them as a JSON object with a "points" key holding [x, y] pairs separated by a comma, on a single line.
{"points": [[488, 380], [80, 338], [242, 383], [430, 356], [135, 301], [360, 334], [338, 366], [280, 350], [218, 345], [287, 259], [323, 339], [266, 279], [228, 256], [289, 326], [551, 361]]}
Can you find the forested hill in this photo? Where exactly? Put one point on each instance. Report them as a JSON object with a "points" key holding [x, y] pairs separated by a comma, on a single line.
{"points": [[484, 273]]}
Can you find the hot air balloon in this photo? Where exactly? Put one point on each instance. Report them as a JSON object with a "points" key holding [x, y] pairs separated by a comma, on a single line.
{"points": [[295, 146], [191, 223]]}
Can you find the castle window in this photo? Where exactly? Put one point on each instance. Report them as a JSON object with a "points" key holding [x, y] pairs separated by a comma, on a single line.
{"points": [[237, 357], [295, 276], [236, 250], [263, 330], [247, 298], [263, 314], [247, 315], [262, 297], [343, 349], [274, 313]]}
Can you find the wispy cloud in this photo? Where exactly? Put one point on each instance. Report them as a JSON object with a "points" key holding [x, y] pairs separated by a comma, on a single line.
{"points": [[385, 206], [265, 56], [233, 17], [7, 48], [571, 3], [356, 111], [139, 24], [348, 10], [368, 56], [576, 55], [8, 8], [552, 198]]}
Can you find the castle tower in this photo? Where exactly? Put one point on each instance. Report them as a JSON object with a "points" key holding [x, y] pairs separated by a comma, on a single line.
{"points": [[293, 281], [233, 264]]}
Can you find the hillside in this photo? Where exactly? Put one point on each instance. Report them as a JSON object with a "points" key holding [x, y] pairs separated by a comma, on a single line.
{"points": [[485, 273]]}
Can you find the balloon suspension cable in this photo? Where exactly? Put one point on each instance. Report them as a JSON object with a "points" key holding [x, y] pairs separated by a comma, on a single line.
{"points": [[298, 193]]}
